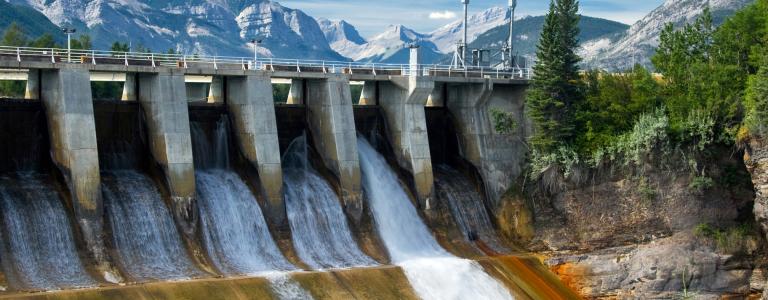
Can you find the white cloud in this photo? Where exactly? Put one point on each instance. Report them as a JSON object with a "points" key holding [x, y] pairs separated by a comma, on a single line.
{"points": [[444, 15]]}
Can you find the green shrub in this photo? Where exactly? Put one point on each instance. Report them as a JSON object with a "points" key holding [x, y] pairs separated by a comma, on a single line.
{"points": [[563, 157], [503, 122], [701, 183], [649, 132]]}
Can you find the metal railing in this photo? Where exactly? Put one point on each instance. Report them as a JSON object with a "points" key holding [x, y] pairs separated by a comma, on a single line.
{"points": [[182, 61]]}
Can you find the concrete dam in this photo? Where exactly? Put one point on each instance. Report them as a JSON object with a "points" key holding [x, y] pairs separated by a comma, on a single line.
{"points": [[197, 183]]}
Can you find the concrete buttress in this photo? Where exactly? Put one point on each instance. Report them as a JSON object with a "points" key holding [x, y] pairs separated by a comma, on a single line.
{"points": [[66, 95], [129, 88], [296, 93], [32, 90], [402, 101], [332, 125], [499, 157], [251, 105], [164, 101]]}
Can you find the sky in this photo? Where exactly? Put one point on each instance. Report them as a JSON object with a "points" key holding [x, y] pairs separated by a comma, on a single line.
{"points": [[371, 17]]}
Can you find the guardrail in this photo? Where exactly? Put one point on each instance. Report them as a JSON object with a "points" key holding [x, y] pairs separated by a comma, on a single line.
{"points": [[182, 61]]}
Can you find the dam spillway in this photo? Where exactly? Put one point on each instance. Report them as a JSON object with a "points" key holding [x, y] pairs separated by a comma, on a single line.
{"points": [[239, 197]]}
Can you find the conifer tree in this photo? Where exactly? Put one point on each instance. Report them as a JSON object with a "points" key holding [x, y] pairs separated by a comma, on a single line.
{"points": [[556, 87], [14, 36]]}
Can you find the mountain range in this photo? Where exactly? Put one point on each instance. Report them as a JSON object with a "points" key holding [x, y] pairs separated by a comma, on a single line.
{"points": [[226, 27]]}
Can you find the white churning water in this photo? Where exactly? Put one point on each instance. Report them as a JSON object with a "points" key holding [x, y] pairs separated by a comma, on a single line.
{"points": [[38, 249], [432, 271], [319, 227], [235, 232], [148, 244]]}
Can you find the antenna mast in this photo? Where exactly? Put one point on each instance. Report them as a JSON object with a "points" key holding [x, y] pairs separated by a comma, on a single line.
{"points": [[510, 61]]}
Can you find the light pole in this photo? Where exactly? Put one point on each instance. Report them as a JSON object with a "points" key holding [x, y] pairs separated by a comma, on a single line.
{"points": [[255, 43], [466, 18], [69, 31]]}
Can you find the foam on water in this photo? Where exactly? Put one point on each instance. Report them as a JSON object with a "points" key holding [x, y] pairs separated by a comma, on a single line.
{"points": [[38, 249], [319, 227], [432, 271]]}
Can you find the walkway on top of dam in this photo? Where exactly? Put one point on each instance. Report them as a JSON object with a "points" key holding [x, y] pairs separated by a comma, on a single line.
{"points": [[15, 59]]}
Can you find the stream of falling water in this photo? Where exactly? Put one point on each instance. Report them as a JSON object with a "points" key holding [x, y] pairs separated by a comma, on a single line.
{"points": [[235, 232], [38, 249], [147, 241], [432, 271], [466, 206], [319, 227]]}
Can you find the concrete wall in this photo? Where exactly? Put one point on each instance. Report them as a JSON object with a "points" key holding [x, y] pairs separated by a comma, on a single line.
{"points": [[66, 95], [252, 109], [402, 101], [332, 125], [164, 100], [499, 157]]}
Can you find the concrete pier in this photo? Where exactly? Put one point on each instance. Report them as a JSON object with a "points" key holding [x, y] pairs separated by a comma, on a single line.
{"points": [[437, 97], [253, 111], [216, 90], [164, 100], [369, 94], [32, 90], [74, 150], [499, 157], [332, 125], [402, 101], [129, 88], [296, 94]]}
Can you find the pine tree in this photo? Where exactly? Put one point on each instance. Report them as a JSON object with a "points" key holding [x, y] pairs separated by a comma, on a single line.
{"points": [[14, 37], [556, 87]]}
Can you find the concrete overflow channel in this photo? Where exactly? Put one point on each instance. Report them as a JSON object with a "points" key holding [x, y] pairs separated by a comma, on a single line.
{"points": [[164, 95]]}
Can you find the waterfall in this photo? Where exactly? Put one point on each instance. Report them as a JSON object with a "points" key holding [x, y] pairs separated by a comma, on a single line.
{"points": [[319, 227], [466, 206], [147, 241], [235, 232], [38, 249], [432, 271]]}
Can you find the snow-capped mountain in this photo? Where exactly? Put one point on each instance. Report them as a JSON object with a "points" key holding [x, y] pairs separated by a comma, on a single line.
{"points": [[213, 27], [389, 46], [446, 37], [639, 42], [343, 37]]}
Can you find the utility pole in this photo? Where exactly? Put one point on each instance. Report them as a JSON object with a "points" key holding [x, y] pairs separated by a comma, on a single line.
{"points": [[69, 31], [512, 7], [465, 41], [255, 43]]}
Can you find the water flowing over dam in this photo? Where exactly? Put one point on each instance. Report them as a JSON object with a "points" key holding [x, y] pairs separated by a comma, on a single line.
{"points": [[235, 233], [38, 250], [201, 183], [147, 241], [321, 234], [433, 272], [466, 207]]}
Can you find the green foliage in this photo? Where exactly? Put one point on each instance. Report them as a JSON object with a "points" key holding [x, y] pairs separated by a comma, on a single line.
{"points": [[613, 102], [563, 158], [701, 183], [503, 122], [44, 41], [556, 88], [83, 42], [729, 240], [646, 190], [107, 90], [12, 89], [756, 103], [14, 37], [280, 92], [119, 47], [356, 90], [648, 133], [698, 128]]}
